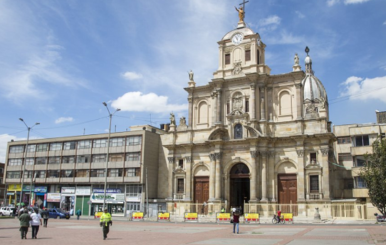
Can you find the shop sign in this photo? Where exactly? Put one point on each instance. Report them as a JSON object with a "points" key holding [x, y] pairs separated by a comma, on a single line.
{"points": [[27, 188], [10, 193], [53, 197], [83, 191], [68, 190], [110, 198], [40, 189], [14, 188], [102, 190]]}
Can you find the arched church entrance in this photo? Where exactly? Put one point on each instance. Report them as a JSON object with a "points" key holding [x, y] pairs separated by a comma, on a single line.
{"points": [[239, 185]]}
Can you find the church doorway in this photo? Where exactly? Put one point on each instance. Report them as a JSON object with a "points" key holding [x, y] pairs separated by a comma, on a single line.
{"points": [[239, 185], [287, 190], [201, 193]]}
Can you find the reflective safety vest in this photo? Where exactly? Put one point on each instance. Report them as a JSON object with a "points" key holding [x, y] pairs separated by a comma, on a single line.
{"points": [[105, 218]]}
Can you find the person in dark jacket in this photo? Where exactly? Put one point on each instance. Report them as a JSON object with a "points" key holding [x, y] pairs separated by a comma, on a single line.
{"points": [[78, 214], [236, 216], [45, 216], [24, 223]]}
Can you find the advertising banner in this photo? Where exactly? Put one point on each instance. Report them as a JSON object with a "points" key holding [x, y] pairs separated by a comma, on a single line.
{"points": [[27, 188], [83, 191], [223, 216], [14, 188], [40, 189], [68, 190], [110, 198], [102, 190], [53, 197]]}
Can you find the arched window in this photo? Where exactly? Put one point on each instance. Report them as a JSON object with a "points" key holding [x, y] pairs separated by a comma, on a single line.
{"points": [[285, 103], [203, 113], [238, 131]]}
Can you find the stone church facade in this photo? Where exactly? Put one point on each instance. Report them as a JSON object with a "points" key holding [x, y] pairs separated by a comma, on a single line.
{"points": [[251, 137]]}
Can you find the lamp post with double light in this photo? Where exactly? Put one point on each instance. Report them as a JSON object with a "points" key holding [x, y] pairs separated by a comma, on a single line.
{"points": [[25, 162], [108, 150]]}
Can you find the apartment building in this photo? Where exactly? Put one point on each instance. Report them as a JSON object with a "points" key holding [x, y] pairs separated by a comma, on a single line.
{"points": [[354, 141], [69, 172], [3, 189]]}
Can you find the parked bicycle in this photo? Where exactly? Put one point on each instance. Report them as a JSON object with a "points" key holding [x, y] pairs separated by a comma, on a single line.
{"points": [[275, 220]]}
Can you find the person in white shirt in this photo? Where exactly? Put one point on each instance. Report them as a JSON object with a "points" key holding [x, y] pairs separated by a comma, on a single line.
{"points": [[35, 222]]}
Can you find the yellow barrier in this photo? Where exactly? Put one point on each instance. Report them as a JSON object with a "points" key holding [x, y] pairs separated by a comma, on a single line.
{"points": [[137, 216], [223, 217], [191, 217], [163, 216], [248, 217], [97, 214], [288, 217]]}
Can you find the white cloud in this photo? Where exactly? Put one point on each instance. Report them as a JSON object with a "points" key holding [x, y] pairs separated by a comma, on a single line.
{"points": [[136, 101], [284, 38], [63, 119], [4, 139], [132, 75], [271, 20], [354, 1], [300, 15], [332, 2], [384, 23], [358, 88]]}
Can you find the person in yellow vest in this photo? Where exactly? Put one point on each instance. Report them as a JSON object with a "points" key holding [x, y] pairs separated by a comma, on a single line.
{"points": [[105, 222]]}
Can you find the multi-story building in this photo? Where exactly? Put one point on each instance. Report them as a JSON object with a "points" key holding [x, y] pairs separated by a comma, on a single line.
{"points": [[3, 189], [69, 172], [354, 141]]}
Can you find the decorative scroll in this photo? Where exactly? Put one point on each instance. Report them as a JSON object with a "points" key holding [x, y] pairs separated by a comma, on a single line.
{"points": [[217, 156], [300, 153], [212, 157], [254, 154], [171, 159], [325, 151], [188, 159]]}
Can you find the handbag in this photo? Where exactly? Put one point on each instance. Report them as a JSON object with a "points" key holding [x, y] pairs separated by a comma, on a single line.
{"points": [[232, 220]]}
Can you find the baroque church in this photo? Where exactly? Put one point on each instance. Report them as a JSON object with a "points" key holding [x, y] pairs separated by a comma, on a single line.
{"points": [[251, 136]]}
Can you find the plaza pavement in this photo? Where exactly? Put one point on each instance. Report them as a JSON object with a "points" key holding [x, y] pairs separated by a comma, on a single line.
{"points": [[87, 231]]}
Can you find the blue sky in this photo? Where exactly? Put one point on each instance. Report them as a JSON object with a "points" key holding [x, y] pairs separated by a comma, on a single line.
{"points": [[61, 59]]}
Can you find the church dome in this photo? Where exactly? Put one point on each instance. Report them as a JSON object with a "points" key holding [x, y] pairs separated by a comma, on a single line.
{"points": [[312, 87]]}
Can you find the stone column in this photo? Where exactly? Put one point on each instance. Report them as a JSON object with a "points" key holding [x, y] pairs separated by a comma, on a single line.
{"points": [[264, 176], [188, 178], [252, 102], [212, 176], [271, 176], [325, 178], [301, 179], [299, 101], [214, 109], [253, 186], [170, 184], [221, 57], [218, 106], [218, 176], [190, 112]]}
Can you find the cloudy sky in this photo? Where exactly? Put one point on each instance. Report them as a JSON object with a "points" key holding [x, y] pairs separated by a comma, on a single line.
{"points": [[60, 60]]}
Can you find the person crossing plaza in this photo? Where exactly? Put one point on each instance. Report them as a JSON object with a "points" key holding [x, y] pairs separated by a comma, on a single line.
{"points": [[105, 222]]}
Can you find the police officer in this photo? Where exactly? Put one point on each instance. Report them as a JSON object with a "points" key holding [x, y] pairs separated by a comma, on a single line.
{"points": [[105, 222]]}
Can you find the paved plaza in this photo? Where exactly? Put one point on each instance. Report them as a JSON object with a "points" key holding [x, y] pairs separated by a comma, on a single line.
{"points": [[128, 232]]}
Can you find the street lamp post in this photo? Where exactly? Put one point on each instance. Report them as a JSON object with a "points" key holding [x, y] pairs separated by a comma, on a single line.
{"points": [[108, 150], [24, 159]]}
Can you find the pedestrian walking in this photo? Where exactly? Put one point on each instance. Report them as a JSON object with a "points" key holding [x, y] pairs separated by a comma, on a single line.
{"points": [[36, 222], [24, 223], [45, 215], [105, 222], [78, 214], [236, 216], [21, 211]]}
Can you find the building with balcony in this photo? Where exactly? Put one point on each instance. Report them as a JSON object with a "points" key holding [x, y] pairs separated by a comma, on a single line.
{"points": [[70, 172], [354, 141]]}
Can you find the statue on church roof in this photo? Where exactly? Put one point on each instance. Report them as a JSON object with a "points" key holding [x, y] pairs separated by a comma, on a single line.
{"points": [[172, 119], [191, 75], [296, 59], [241, 13]]}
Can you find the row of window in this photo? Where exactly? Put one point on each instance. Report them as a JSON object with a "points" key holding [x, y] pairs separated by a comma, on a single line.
{"points": [[132, 156], [362, 140], [72, 145], [247, 57], [129, 172], [358, 161]]}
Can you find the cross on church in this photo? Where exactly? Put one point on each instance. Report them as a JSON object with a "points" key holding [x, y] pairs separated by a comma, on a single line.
{"points": [[243, 3]]}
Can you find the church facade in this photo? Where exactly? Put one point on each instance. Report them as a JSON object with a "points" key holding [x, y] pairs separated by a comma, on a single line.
{"points": [[251, 136]]}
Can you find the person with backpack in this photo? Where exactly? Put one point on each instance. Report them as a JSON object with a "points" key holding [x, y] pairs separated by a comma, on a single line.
{"points": [[78, 214]]}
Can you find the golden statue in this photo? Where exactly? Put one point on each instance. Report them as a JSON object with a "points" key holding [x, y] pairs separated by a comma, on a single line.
{"points": [[241, 13]]}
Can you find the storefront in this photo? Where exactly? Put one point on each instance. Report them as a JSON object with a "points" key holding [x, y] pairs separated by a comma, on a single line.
{"points": [[40, 195], [82, 194], [114, 201], [53, 200], [13, 194], [67, 200]]}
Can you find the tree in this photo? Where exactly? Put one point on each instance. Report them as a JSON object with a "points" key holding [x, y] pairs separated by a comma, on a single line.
{"points": [[374, 175]]}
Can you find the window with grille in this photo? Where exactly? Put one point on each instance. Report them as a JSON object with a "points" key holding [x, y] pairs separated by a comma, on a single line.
{"points": [[40, 174], [362, 140], [83, 159], [84, 144], [13, 174], [246, 105], [68, 159], [116, 158], [359, 183], [16, 149], [134, 140], [133, 190], [117, 142], [238, 131], [99, 158], [344, 140], [132, 172], [54, 160], [227, 59], [247, 55], [133, 156], [31, 148], [100, 143], [181, 163], [82, 173], [55, 146], [42, 147], [360, 161], [28, 174], [41, 160], [67, 173], [314, 183], [53, 174], [15, 162], [69, 145], [313, 157], [180, 185], [29, 161], [115, 173], [97, 173]]}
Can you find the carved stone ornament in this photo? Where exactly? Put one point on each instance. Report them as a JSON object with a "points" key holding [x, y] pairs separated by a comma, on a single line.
{"points": [[171, 159], [325, 151], [237, 102], [212, 157], [253, 154], [263, 153], [300, 153], [237, 68], [188, 159], [217, 156]]}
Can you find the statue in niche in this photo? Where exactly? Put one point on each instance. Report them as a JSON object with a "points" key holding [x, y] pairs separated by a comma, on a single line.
{"points": [[310, 108], [322, 103], [172, 119], [191, 75], [183, 121], [296, 60], [237, 67], [237, 102]]}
